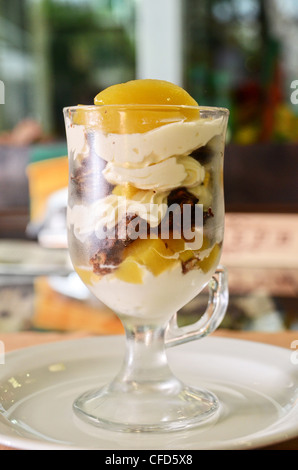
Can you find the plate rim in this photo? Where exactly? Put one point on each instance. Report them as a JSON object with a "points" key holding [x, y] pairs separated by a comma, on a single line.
{"points": [[25, 443]]}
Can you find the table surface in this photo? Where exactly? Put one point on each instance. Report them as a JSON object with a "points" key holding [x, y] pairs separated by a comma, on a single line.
{"points": [[18, 340]]}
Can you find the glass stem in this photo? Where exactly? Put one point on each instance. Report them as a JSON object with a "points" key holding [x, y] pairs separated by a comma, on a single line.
{"points": [[145, 362]]}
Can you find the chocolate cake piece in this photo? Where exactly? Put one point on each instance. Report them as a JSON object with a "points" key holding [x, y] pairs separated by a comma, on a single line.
{"points": [[181, 196], [109, 250], [202, 154], [174, 217], [108, 257], [207, 214], [189, 264]]}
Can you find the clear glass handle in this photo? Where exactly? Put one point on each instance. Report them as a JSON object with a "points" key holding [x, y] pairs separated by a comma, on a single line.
{"points": [[210, 320]]}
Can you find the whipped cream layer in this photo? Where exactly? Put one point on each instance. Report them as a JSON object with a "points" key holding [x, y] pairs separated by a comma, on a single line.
{"points": [[77, 145], [107, 212], [155, 162], [138, 150], [166, 175], [154, 298]]}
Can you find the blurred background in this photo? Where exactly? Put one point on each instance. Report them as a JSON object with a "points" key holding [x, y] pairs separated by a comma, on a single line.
{"points": [[239, 54]]}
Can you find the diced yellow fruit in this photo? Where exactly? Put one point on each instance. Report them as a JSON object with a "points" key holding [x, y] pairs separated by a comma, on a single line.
{"points": [[144, 92], [130, 271], [205, 244], [211, 260], [87, 275], [151, 253], [189, 254], [127, 190], [156, 263], [156, 255], [207, 178], [130, 191], [176, 245], [118, 190], [186, 255]]}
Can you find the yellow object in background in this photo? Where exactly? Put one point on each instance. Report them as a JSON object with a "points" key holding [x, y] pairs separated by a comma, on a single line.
{"points": [[45, 177], [54, 311], [286, 124]]}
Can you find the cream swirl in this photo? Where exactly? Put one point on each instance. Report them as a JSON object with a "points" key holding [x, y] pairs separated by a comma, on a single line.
{"points": [[106, 213], [169, 174], [138, 150]]}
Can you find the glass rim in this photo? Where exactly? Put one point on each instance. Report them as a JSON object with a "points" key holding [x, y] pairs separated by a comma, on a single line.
{"points": [[93, 107]]}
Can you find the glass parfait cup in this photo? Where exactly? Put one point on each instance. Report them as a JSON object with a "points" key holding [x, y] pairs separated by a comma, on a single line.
{"points": [[145, 229]]}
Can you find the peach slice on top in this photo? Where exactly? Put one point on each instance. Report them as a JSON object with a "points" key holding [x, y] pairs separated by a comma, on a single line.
{"points": [[148, 104]]}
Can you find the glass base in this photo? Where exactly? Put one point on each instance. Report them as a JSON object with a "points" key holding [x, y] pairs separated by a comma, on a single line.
{"points": [[132, 407]]}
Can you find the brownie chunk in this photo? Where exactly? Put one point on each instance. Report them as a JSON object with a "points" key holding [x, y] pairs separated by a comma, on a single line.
{"points": [[109, 251], [203, 154]]}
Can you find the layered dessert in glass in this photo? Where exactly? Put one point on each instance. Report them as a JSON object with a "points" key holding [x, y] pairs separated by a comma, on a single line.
{"points": [[146, 207], [145, 230]]}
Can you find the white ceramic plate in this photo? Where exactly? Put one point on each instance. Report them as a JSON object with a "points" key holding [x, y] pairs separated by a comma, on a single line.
{"points": [[257, 385]]}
